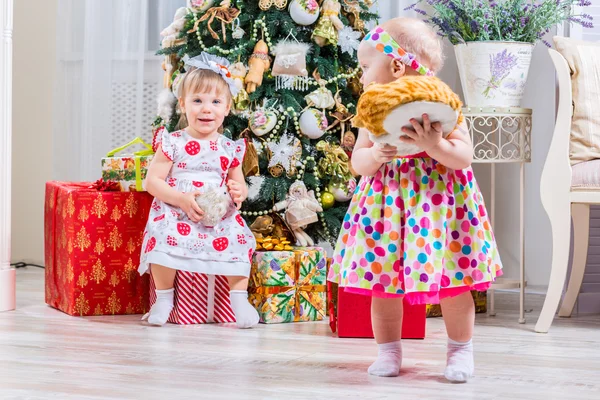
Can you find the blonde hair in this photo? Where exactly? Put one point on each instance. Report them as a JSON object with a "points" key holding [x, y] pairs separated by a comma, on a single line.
{"points": [[418, 38], [198, 80]]}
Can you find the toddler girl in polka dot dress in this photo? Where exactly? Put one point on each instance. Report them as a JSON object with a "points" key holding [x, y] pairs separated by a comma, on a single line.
{"points": [[417, 225]]}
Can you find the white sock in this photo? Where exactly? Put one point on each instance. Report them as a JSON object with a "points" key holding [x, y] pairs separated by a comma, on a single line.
{"points": [[388, 361], [160, 311], [459, 365], [246, 316]]}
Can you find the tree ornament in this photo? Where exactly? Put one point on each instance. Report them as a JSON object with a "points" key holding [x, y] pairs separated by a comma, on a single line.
{"points": [[265, 5], [301, 209], [200, 5], [341, 116], [326, 31], [322, 97], [349, 40], [304, 12], [263, 121], [342, 191], [223, 13], [352, 12], [290, 63], [242, 100], [259, 63], [313, 123], [327, 200], [170, 35], [286, 152], [238, 32]]}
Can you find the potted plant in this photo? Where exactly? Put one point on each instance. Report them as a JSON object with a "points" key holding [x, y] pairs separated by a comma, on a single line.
{"points": [[493, 41]]}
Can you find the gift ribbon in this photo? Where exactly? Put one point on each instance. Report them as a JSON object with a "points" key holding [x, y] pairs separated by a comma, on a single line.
{"points": [[298, 287], [136, 158]]}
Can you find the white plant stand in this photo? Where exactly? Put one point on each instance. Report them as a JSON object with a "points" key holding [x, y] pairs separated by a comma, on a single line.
{"points": [[503, 135]]}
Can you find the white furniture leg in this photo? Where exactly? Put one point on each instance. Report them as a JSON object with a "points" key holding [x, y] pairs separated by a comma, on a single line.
{"points": [[581, 236], [557, 206], [491, 292], [7, 274]]}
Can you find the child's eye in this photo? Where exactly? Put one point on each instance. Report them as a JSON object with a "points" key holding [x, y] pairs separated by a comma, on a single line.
{"points": [[197, 101], [217, 101]]}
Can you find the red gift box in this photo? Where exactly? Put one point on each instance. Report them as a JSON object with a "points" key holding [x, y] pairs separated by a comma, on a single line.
{"points": [[350, 315], [92, 249], [199, 299]]}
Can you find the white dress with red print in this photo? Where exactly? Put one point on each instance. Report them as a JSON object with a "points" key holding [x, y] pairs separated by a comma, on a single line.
{"points": [[171, 239]]}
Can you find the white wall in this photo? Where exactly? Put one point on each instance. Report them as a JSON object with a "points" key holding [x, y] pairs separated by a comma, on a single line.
{"points": [[540, 96], [33, 84]]}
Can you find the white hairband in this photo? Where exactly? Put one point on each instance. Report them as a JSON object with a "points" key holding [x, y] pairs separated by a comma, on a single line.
{"points": [[213, 63]]}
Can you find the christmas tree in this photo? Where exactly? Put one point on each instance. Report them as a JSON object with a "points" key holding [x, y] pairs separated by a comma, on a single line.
{"points": [[297, 67]]}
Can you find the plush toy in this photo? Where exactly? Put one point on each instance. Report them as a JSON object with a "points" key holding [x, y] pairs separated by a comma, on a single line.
{"points": [[214, 202], [259, 63], [301, 209], [384, 109]]}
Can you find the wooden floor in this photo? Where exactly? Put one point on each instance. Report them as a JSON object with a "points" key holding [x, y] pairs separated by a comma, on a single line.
{"points": [[45, 354]]}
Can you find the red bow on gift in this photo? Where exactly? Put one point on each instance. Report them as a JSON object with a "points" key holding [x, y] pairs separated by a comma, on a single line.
{"points": [[106, 186]]}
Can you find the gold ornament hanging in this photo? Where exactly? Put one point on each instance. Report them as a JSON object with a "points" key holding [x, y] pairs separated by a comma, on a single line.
{"points": [[352, 10], [326, 31], [335, 163], [341, 116], [327, 200], [250, 162]]}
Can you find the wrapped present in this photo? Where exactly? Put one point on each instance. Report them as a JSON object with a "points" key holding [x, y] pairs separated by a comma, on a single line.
{"points": [[93, 240], [289, 286], [129, 170], [199, 299], [350, 315], [480, 299]]}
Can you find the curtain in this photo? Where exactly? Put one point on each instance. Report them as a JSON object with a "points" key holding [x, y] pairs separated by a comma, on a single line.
{"points": [[108, 77]]}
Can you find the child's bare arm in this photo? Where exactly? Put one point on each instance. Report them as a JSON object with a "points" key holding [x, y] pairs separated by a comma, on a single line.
{"points": [[237, 186], [367, 158]]}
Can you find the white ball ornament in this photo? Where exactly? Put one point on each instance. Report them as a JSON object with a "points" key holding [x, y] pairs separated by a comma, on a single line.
{"points": [[313, 123], [304, 12]]}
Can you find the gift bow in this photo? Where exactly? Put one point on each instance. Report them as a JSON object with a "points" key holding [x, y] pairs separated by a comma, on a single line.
{"points": [[136, 158], [335, 163], [299, 286]]}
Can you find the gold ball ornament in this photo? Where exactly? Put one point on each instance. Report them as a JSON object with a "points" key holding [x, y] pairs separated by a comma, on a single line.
{"points": [[327, 200]]}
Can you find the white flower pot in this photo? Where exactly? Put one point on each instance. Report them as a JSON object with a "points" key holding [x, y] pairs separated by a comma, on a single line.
{"points": [[493, 73]]}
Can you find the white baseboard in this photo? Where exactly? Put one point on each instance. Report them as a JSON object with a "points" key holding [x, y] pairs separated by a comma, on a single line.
{"points": [[8, 281]]}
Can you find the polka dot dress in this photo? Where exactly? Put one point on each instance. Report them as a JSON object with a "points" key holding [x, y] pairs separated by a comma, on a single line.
{"points": [[418, 229]]}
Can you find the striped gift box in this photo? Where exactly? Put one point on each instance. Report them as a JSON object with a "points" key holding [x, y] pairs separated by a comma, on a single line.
{"points": [[199, 299]]}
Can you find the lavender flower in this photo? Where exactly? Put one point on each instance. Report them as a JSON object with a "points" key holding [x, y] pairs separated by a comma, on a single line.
{"points": [[507, 20], [500, 66]]}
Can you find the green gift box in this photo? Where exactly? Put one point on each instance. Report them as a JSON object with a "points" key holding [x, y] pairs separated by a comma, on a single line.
{"points": [[289, 286], [129, 170]]}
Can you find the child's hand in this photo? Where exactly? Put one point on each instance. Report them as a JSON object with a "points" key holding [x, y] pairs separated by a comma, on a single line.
{"points": [[383, 154], [188, 205], [424, 136], [237, 192]]}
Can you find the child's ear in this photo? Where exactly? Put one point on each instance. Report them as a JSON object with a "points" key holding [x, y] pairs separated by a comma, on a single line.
{"points": [[181, 103], [398, 68]]}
